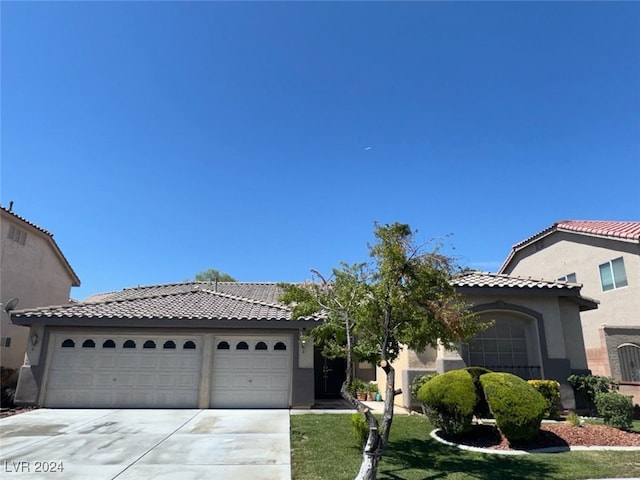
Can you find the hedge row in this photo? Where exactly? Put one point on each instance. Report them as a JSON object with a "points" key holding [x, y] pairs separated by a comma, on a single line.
{"points": [[451, 400]]}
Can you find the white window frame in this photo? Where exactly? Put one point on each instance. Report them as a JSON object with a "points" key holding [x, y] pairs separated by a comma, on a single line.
{"points": [[569, 278], [617, 282]]}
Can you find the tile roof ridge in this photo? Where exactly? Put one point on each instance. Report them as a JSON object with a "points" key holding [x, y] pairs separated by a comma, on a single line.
{"points": [[118, 300], [11, 212], [254, 301]]}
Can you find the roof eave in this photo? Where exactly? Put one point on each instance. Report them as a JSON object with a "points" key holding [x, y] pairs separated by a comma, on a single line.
{"points": [[148, 322]]}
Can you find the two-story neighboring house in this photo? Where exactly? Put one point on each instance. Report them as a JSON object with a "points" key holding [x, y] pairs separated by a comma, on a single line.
{"points": [[603, 256], [34, 270]]}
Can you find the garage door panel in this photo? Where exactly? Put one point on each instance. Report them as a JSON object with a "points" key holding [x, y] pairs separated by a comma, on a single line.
{"points": [[188, 380], [148, 361], [108, 361], [126, 361], [279, 363], [109, 375], [103, 380], [258, 376], [63, 360]]}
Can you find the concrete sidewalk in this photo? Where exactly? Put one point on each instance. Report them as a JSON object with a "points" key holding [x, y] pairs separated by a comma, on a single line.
{"points": [[142, 444]]}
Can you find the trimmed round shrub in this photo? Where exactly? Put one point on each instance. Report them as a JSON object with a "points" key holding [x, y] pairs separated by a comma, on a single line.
{"points": [[517, 407], [615, 409], [550, 390], [449, 400], [418, 382]]}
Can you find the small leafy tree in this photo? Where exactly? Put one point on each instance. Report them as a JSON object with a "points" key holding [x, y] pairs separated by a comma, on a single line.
{"points": [[403, 297], [590, 386], [213, 275]]}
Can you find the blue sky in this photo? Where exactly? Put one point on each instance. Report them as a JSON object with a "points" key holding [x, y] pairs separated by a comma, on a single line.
{"points": [[159, 139]]}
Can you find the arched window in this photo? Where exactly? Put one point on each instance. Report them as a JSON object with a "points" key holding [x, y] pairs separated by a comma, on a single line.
{"points": [[629, 356], [189, 345], [242, 346], [169, 344], [503, 347], [109, 344], [223, 345], [149, 344], [88, 344], [129, 344], [279, 346], [68, 343], [261, 346]]}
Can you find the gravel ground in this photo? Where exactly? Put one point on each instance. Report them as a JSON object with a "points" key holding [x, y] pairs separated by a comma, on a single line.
{"points": [[7, 412], [550, 435]]}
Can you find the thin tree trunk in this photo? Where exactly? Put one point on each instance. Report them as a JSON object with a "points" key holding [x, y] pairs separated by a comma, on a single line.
{"points": [[378, 434]]}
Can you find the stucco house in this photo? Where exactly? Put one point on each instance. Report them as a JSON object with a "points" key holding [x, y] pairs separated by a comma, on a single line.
{"points": [[603, 256], [34, 270], [233, 344], [191, 345], [536, 333]]}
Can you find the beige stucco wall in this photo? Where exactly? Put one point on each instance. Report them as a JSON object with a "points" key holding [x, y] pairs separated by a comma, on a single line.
{"points": [[565, 253], [35, 274], [562, 339]]}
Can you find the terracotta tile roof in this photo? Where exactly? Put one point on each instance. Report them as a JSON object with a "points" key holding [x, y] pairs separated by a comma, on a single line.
{"points": [[628, 231], [237, 300], [49, 235], [484, 279], [600, 228], [185, 301]]}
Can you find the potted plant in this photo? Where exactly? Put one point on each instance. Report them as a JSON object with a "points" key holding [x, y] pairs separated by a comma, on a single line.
{"points": [[372, 389], [358, 389]]}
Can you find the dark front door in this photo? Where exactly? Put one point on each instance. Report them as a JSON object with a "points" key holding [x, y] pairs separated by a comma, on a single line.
{"points": [[329, 375]]}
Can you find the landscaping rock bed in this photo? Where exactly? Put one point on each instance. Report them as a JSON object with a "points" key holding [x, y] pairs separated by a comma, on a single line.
{"points": [[550, 435]]}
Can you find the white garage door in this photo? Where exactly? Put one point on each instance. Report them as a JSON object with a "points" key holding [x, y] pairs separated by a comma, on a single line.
{"points": [[251, 371], [124, 371]]}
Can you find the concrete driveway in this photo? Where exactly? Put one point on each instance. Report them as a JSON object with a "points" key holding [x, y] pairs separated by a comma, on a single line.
{"points": [[143, 444]]}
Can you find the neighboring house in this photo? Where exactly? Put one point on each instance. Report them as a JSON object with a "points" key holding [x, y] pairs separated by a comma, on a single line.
{"points": [[603, 256], [536, 333], [190, 345], [33, 270]]}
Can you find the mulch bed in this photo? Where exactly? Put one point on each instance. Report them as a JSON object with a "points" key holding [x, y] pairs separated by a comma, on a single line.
{"points": [[7, 412], [550, 435]]}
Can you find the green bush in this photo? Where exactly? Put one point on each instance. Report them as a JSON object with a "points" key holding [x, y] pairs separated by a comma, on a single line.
{"points": [[550, 390], [356, 386], [449, 400], [574, 419], [615, 409], [516, 405], [586, 387], [417, 383], [360, 429]]}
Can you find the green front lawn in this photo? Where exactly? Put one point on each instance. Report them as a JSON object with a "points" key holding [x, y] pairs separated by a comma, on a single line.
{"points": [[322, 448]]}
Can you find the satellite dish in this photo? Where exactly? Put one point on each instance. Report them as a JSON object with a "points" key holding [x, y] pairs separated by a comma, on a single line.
{"points": [[11, 305]]}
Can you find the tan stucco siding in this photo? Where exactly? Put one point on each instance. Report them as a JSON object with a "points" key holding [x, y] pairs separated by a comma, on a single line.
{"points": [[565, 253], [33, 273]]}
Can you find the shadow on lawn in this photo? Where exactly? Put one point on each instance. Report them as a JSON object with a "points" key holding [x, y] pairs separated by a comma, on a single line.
{"points": [[438, 461]]}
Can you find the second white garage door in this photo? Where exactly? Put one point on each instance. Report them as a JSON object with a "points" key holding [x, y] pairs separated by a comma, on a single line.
{"points": [[140, 371], [251, 371]]}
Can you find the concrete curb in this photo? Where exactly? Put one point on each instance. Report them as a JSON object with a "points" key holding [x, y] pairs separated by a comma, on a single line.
{"points": [[434, 435]]}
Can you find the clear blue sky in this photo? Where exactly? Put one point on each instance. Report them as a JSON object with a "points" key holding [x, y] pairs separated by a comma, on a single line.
{"points": [[159, 139]]}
